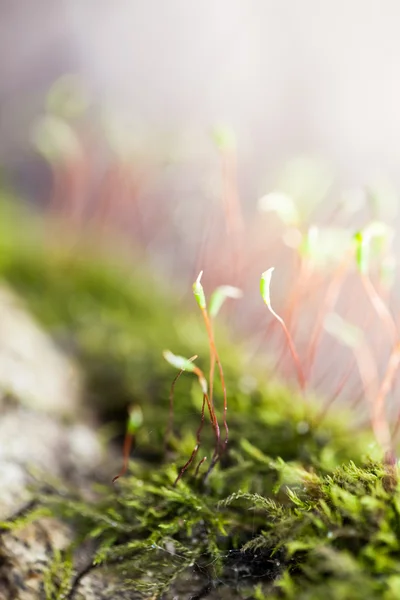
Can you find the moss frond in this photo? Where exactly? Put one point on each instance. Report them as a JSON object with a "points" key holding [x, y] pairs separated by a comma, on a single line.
{"points": [[57, 577]]}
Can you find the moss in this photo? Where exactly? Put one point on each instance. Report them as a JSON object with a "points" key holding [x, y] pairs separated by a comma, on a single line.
{"points": [[284, 515], [312, 533], [57, 578]]}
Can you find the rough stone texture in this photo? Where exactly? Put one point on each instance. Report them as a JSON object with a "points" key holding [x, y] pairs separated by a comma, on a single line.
{"points": [[40, 436], [28, 554], [32, 369], [31, 442]]}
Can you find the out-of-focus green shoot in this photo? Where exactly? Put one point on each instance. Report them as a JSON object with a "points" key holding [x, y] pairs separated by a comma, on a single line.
{"points": [[224, 137], [135, 420], [307, 180], [68, 98], [179, 362], [134, 423], [219, 296], [283, 206], [362, 252], [301, 186], [53, 135], [370, 243], [326, 250], [55, 140], [265, 289]]}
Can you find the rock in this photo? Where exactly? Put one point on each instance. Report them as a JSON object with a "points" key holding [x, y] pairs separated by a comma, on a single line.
{"points": [[32, 368], [25, 557], [40, 437]]}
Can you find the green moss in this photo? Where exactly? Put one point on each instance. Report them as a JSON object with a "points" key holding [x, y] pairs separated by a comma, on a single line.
{"points": [[312, 533], [284, 514], [58, 576]]}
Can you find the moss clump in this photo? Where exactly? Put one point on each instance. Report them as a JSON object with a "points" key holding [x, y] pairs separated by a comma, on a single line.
{"points": [[280, 516], [311, 533]]}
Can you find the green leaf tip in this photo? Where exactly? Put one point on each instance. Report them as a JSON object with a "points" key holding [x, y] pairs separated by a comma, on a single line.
{"points": [[55, 139], [362, 252], [265, 284], [199, 292], [220, 295], [179, 362], [372, 240], [224, 137], [135, 420]]}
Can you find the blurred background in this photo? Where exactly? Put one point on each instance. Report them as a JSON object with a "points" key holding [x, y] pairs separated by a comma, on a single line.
{"points": [[175, 123], [288, 78]]}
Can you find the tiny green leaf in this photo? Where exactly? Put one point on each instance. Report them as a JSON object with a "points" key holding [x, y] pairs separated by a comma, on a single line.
{"points": [[135, 420], [310, 242], [68, 97], [265, 285], [199, 292], [373, 240], [55, 139], [362, 252], [220, 295], [179, 362]]}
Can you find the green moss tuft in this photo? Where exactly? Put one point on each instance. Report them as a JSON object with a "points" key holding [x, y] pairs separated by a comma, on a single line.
{"points": [[58, 576]]}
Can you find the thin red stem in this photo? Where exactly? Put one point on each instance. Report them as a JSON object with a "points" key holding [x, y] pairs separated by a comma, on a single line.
{"points": [[214, 357], [299, 369], [202, 461], [197, 446], [380, 308], [126, 452]]}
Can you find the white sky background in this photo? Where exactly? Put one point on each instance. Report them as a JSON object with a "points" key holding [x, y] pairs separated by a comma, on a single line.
{"points": [[291, 77]]}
